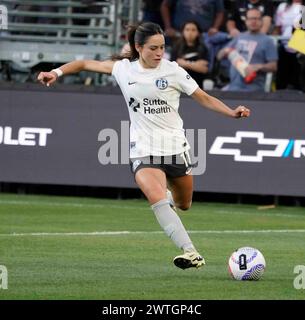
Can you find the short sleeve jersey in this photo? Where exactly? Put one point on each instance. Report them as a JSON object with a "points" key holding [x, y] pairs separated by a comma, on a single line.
{"points": [[255, 48], [152, 97]]}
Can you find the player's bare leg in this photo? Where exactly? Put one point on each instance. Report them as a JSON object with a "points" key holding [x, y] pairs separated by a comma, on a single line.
{"points": [[152, 182], [182, 191]]}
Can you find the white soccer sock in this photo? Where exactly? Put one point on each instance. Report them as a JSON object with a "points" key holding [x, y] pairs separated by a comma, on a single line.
{"points": [[172, 225], [170, 198]]}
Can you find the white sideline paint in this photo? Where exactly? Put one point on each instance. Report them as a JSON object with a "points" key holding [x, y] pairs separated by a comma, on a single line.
{"points": [[130, 207], [115, 233], [71, 204], [261, 213]]}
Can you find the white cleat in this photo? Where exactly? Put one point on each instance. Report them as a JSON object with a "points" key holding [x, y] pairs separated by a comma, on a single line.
{"points": [[189, 260]]}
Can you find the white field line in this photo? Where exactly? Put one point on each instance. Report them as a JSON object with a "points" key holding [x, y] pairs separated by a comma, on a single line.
{"points": [[262, 213], [130, 207], [71, 204], [118, 233]]}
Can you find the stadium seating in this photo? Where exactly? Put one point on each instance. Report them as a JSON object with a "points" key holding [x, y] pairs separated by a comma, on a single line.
{"points": [[44, 34], [61, 31]]}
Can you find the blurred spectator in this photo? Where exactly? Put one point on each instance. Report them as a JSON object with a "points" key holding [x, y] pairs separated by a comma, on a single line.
{"points": [[257, 49], [152, 12], [237, 15], [209, 14], [190, 52], [289, 69]]}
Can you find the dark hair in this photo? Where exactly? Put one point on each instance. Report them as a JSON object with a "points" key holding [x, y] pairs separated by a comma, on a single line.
{"points": [[192, 22], [138, 34], [181, 44]]}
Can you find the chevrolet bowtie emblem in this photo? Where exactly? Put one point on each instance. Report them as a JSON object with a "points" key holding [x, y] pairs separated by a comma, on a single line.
{"points": [[282, 147]]}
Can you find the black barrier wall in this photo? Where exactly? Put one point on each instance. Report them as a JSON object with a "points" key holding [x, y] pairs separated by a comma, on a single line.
{"points": [[58, 137]]}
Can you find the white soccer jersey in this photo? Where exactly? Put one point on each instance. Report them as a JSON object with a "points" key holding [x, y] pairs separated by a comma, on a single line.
{"points": [[152, 97]]}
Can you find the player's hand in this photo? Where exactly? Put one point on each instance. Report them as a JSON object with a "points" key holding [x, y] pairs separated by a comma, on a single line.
{"points": [[47, 78], [241, 112]]}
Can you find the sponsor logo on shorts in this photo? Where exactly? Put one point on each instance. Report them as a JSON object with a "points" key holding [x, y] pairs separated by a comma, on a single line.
{"points": [[188, 170], [135, 165]]}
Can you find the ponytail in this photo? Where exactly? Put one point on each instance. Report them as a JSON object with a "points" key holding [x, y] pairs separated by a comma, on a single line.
{"points": [[138, 34]]}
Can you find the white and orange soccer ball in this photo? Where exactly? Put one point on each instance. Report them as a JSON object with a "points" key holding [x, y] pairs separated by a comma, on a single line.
{"points": [[247, 263]]}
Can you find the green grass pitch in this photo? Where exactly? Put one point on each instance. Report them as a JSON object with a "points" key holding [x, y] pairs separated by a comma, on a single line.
{"points": [[77, 248]]}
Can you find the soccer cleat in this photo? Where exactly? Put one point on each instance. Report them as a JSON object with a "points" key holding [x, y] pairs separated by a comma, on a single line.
{"points": [[189, 260], [171, 199]]}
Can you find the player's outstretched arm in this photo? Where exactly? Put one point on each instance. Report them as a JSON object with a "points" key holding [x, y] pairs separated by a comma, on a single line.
{"points": [[48, 78], [215, 104]]}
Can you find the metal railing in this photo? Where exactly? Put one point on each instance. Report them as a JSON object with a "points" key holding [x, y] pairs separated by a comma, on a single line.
{"points": [[61, 31]]}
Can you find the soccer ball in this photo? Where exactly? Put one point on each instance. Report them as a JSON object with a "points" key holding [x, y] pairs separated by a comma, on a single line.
{"points": [[247, 264]]}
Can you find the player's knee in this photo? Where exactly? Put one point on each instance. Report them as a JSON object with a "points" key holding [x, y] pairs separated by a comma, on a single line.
{"points": [[184, 206]]}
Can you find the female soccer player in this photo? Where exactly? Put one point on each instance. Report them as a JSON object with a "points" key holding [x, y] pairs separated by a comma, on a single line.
{"points": [[158, 148]]}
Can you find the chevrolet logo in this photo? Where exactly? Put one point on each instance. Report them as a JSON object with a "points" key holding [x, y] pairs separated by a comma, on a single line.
{"points": [[282, 147]]}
